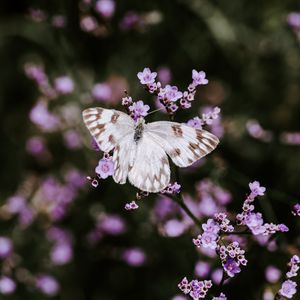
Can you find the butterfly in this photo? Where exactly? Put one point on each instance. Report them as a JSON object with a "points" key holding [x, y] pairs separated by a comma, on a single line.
{"points": [[141, 150]]}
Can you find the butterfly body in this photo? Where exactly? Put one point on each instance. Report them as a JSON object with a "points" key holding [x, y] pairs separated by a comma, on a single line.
{"points": [[140, 150]]}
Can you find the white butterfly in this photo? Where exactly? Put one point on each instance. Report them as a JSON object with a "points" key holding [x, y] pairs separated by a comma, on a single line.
{"points": [[140, 149]]}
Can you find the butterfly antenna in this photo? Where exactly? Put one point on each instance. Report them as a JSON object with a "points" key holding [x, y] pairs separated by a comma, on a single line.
{"points": [[154, 111]]}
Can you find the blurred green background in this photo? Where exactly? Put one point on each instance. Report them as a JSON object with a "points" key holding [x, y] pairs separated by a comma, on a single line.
{"points": [[251, 57]]}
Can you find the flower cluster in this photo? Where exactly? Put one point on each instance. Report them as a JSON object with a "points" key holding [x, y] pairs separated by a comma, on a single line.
{"points": [[135, 109], [206, 118], [106, 224], [254, 221], [212, 197], [172, 188], [232, 256], [224, 222], [62, 85], [105, 167], [288, 287], [296, 210], [131, 206], [211, 231], [210, 235], [169, 95], [61, 252], [221, 297], [195, 289]]}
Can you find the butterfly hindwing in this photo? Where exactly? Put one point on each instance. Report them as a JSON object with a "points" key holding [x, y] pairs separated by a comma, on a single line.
{"points": [[150, 171], [107, 126], [184, 144]]}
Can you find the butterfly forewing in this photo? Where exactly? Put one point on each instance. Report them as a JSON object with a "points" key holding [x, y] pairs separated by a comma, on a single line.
{"points": [[107, 126], [182, 143]]}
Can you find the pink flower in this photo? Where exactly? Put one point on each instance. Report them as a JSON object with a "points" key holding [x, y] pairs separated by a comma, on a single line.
{"points": [[105, 8], [7, 285], [199, 77], [256, 189], [135, 257], [64, 85], [288, 289], [102, 91], [5, 247], [139, 109], [171, 93], [195, 123], [147, 77], [47, 284], [293, 19], [272, 274], [105, 168]]}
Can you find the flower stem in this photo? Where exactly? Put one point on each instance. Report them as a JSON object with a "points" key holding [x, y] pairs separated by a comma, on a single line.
{"points": [[180, 201]]}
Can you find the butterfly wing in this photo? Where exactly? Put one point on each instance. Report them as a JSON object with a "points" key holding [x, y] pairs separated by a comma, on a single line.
{"points": [[107, 126], [184, 144], [123, 158], [150, 171]]}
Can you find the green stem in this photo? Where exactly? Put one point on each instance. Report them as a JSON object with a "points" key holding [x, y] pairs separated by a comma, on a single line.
{"points": [[180, 201]]}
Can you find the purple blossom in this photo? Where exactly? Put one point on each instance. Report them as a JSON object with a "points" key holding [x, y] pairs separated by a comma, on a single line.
{"points": [[255, 223], [288, 289], [105, 8], [272, 274], [59, 21], [195, 123], [35, 145], [172, 188], [7, 285], [256, 189], [88, 23], [61, 253], [211, 227], [130, 20], [164, 75], [293, 19], [15, 204], [6, 247], [102, 91], [105, 168], [179, 297], [139, 109], [40, 115], [174, 228], [221, 297], [296, 210], [294, 267], [196, 289], [199, 77], [202, 269], [231, 267], [171, 93], [64, 85], [134, 257], [111, 224], [72, 139], [131, 206], [147, 77], [47, 284]]}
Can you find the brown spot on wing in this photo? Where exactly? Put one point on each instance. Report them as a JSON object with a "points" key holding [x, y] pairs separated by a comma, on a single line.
{"points": [[177, 130], [111, 139], [175, 152], [114, 117]]}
